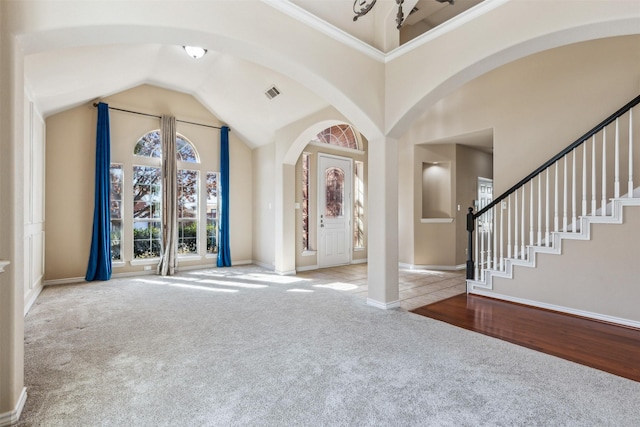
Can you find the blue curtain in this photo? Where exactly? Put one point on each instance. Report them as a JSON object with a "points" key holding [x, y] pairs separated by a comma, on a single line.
{"points": [[224, 251], [100, 256]]}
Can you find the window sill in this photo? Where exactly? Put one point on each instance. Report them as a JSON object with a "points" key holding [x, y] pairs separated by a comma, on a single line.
{"points": [[118, 264], [189, 258], [309, 253], [211, 256], [145, 261], [436, 220]]}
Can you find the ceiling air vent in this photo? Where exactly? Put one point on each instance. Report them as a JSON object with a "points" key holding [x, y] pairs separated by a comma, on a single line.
{"points": [[272, 92]]}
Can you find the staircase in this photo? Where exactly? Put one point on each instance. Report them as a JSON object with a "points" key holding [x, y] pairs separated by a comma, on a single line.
{"points": [[561, 200]]}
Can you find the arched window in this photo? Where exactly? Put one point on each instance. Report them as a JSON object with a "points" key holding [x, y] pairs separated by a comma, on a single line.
{"points": [[339, 135], [150, 146], [146, 201]]}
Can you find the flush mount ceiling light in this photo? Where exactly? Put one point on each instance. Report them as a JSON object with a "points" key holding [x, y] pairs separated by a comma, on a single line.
{"points": [[362, 7], [194, 51]]}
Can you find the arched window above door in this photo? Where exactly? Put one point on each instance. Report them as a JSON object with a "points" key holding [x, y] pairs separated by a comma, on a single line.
{"points": [[339, 135]]}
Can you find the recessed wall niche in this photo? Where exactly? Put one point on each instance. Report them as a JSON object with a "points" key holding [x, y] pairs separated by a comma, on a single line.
{"points": [[436, 190]]}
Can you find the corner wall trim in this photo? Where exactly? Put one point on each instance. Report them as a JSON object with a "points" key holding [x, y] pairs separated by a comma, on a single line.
{"points": [[270, 267], [383, 305], [35, 293], [11, 417]]}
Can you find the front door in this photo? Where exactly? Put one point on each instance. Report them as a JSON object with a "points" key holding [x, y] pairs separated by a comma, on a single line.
{"points": [[334, 215]]}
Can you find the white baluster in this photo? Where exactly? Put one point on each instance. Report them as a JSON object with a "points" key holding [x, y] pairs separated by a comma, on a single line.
{"points": [[616, 163], [488, 231], [531, 241], [495, 236], [540, 210], [593, 175], [564, 197], [556, 217], [584, 178], [522, 227], [604, 172], [509, 226], [477, 258], [630, 184], [546, 211], [482, 253], [573, 194], [501, 237], [515, 227]]}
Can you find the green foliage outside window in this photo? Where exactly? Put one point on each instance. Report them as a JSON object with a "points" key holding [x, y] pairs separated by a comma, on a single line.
{"points": [[146, 242]]}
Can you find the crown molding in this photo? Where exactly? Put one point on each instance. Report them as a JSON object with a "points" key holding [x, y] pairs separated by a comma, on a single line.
{"points": [[452, 24], [307, 18]]}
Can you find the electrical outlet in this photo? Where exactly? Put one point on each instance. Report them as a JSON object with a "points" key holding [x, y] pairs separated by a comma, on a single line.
{"points": [[147, 267]]}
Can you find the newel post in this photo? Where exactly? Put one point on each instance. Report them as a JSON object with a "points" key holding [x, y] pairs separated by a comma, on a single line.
{"points": [[470, 228]]}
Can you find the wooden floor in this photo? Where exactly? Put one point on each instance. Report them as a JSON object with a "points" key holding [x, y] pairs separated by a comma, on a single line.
{"points": [[610, 348]]}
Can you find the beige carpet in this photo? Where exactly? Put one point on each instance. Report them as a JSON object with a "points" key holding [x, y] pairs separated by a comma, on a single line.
{"points": [[244, 347]]}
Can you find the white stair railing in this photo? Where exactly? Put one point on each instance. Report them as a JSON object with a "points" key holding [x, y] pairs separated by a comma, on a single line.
{"points": [[498, 232]]}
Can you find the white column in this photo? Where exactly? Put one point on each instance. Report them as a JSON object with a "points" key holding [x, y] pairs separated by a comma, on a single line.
{"points": [[383, 223], [12, 391], [285, 233]]}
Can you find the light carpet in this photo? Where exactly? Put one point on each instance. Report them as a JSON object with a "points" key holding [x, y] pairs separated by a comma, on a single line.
{"points": [[245, 347]]}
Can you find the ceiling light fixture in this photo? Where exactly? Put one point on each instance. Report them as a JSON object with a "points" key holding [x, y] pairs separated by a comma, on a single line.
{"points": [[362, 7], [194, 51]]}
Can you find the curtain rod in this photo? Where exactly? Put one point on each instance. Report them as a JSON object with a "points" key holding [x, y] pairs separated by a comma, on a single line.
{"points": [[95, 104]]}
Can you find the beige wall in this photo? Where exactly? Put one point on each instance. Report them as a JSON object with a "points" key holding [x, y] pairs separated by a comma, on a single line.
{"points": [[538, 105], [535, 107], [70, 174], [434, 243], [471, 163], [597, 276], [264, 209], [438, 244]]}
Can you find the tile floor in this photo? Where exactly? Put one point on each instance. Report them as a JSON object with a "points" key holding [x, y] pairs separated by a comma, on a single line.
{"points": [[417, 287]]}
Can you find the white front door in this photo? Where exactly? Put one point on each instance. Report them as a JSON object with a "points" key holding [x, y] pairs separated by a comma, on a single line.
{"points": [[334, 210]]}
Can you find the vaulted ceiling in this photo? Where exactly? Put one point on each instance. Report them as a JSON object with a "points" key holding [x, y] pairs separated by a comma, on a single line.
{"points": [[233, 89]]}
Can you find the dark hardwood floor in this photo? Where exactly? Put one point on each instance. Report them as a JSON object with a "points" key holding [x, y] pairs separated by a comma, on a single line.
{"points": [[611, 348]]}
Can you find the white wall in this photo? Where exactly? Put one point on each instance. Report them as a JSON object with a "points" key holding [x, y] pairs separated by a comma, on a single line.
{"points": [[34, 215], [12, 391]]}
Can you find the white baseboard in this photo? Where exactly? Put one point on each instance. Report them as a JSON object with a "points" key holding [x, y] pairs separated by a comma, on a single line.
{"points": [[68, 281], [307, 267], [383, 305], [286, 272], [270, 267], [359, 261], [76, 280], [8, 418], [562, 309], [432, 267]]}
